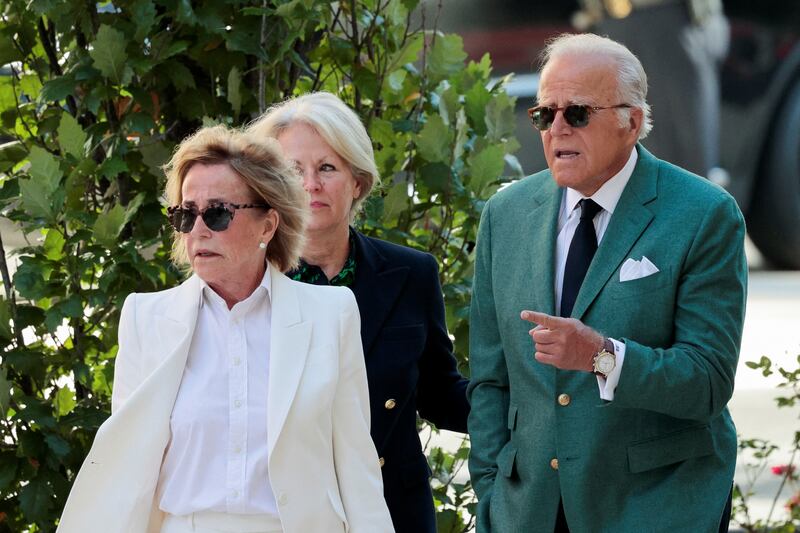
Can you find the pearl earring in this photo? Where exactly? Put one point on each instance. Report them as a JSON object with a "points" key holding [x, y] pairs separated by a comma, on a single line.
{"points": [[262, 246]]}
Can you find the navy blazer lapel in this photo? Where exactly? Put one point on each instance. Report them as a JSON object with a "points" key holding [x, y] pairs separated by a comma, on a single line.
{"points": [[631, 218], [377, 286]]}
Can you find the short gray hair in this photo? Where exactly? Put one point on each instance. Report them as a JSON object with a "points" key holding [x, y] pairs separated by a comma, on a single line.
{"points": [[631, 78], [336, 123]]}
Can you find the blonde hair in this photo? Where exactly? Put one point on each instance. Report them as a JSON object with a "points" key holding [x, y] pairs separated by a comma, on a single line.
{"points": [[337, 124], [260, 164], [631, 77]]}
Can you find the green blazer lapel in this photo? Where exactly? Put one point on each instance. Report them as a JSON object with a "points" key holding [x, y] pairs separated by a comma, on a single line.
{"points": [[542, 224], [630, 219]]}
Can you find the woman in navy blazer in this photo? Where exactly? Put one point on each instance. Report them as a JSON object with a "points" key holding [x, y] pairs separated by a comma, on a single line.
{"points": [[410, 365]]}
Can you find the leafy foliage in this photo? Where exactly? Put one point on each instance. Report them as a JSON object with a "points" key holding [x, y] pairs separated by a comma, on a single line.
{"points": [[93, 99], [759, 453]]}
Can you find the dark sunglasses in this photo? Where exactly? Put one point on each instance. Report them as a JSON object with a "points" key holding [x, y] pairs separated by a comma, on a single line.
{"points": [[576, 115], [216, 217]]}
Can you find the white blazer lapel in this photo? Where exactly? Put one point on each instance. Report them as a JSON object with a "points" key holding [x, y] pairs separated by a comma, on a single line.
{"points": [[289, 342]]}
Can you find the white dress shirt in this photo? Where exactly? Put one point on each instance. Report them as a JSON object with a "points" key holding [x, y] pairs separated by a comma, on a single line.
{"points": [[569, 216], [217, 456]]}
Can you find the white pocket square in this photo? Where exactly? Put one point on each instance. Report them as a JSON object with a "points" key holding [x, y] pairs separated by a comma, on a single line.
{"points": [[633, 269]]}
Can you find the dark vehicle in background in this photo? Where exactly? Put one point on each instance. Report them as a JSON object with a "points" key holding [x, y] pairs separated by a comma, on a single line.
{"points": [[760, 115]]}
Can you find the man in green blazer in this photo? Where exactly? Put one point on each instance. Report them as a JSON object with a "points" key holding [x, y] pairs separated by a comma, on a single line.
{"points": [[606, 319]]}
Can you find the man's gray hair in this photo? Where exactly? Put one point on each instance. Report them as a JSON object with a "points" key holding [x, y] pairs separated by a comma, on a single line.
{"points": [[631, 78]]}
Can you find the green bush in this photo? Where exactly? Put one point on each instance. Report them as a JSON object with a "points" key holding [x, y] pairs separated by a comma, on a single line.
{"points": [[94, 97]]}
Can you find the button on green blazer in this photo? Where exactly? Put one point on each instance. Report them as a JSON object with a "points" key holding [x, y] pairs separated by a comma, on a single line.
{"points": [[661, 455]]}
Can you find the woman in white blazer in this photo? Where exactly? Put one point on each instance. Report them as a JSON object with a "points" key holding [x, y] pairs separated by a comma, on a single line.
{"points": [[240, 397]]}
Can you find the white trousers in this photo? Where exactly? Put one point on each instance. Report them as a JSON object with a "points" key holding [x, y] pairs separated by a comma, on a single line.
{"points": [[209, 522]]}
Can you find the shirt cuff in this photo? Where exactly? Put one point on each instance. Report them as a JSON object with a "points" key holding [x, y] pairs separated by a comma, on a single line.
{"points": [[608, 384]]}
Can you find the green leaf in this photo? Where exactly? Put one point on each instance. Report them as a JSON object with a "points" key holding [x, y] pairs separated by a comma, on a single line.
{"points": [[57, 89], [71, 307], [154, 154], [500, 120], [475, 101], [144, 13], [436, 176], [133, 207], [447, 55], [448, 104], [8, 471], [396, 201], [485, 166], [366, 81], [112, 167], [35, 199], [138, 123], [234, 90], [35, 500], [186, 13], [64, 401], [180, 76], [31, 86], [44, 169], [54, 245], [40, 194], [71, 136], [29, 281], [8, 52], [5, 392], [59, 446], [408, 53], [109, 225], [434, 140], [108, 53]]}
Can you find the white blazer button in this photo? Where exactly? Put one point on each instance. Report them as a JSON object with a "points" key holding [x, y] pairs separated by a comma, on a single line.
{"points": [[283, 499]]}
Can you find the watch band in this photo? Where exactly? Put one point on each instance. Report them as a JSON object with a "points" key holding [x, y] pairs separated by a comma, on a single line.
{"points": [[608, 345]]}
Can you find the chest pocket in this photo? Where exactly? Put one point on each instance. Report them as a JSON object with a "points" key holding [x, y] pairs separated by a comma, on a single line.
{"points": [[637, 288]]}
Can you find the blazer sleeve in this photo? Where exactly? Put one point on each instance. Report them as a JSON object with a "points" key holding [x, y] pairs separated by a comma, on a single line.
{"points": [[697, 371], [442, 390], [488, 389], [127, 363], [355, 459]]}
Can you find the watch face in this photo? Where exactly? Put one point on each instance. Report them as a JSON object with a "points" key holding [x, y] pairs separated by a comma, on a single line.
{"points": [[605, 363]]}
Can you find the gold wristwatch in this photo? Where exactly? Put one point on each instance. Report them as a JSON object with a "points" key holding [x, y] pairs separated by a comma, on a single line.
{"points": [[605, 360]]}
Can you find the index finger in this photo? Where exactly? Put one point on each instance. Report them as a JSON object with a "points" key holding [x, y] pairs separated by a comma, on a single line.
{"points": [[543, 319]]}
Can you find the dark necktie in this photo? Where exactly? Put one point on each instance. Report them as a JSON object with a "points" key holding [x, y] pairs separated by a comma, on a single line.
{"points": [[579, 257]]}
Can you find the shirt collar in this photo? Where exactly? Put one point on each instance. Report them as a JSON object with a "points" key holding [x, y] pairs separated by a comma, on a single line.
{"points": [[308, 273], [609, 194], [207, 294]]}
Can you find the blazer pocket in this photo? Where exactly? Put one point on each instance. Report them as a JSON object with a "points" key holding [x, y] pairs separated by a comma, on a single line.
{"points": [[638, 287], [506, 459], [402, 333], [670, 449], [338, 508]]}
